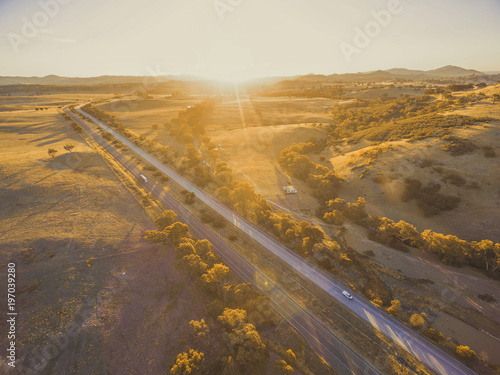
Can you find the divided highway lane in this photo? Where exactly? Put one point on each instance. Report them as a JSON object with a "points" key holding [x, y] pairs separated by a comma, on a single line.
{"points": [[340, 357], [423, 349]]}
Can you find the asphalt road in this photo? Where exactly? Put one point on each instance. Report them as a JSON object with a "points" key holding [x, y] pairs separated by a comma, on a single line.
{"points": [[423, 349], [333, 351]]}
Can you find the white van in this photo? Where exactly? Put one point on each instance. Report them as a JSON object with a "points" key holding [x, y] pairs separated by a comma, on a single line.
{"points": [[347, 294]]}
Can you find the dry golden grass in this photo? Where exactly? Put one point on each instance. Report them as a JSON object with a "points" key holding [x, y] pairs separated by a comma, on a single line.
{"points": [[260, 111], [487, 109], [75, 233], [382, 182], [387, 92], [244, 140], [72, 228], [251, 149], [140, 114]]}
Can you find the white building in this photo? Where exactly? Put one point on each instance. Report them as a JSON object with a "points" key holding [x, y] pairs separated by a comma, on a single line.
{"points": [[289, 189]]}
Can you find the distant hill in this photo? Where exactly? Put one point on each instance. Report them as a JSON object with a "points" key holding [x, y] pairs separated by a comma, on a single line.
{"points": [[54, 80], [51, 80], [452, 71], [448, 71], [445, 72], [406, 72]]}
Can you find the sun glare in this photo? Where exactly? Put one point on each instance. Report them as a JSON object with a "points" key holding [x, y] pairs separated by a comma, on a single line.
{"points": [[227, 182], [228, 62]]}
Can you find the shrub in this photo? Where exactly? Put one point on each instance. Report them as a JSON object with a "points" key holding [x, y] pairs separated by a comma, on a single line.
{"points": [[319, 178], [69, 147], [194, 265], [189, 198], [219, 223], [290, 357], [458, 146], [454, 178], [233, 237], [486, 297], [428, 198], [465, 353], [90, 261], [52, 152], [177, 232], [356, 211], [150, 168], [417, 320], [215, 275], [188, 363], [214, 309], [434, 335], [394, 308], [406, 118], [200, 328], [77, 128], [281, 367], [206, 216], [166, 219], [334, 217], [489, 152]]}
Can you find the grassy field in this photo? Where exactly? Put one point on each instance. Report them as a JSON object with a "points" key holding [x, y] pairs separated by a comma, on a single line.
{"points": [[93, 295], [387, 92], [380, 181], [229, 112], [472, 177], [71, 224], [365, 340], [71, 227], [376, 172], [252, 138]]}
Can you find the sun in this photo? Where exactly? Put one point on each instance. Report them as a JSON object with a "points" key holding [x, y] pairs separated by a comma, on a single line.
{"points": [[227, 62], [227, 77]]}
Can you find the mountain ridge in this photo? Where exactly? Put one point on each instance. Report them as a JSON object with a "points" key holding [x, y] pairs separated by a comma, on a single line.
{"points": [[448, 71]]}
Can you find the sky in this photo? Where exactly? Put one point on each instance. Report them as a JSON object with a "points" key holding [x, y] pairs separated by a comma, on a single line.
{"points": [[238, 39]]}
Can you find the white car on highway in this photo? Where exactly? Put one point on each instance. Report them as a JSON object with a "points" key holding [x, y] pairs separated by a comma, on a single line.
{"points": [[347, 294]]}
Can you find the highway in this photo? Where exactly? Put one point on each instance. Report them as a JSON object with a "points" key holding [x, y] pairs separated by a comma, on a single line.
{"points": [[332, 350], [423, 349]]}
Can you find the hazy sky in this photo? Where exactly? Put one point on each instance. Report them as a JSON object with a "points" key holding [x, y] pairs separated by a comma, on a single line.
{"points": [[241, 38]]}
